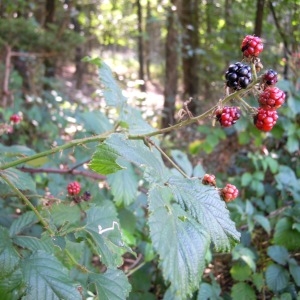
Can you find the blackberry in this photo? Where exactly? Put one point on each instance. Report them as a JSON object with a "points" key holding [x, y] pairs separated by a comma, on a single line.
{"points": [[228, 115], [252, 46], [271, 98], [238, 76], [15, 118], [209, 179], [229, 192], [265, 119], [270, 77], [74, 188]]}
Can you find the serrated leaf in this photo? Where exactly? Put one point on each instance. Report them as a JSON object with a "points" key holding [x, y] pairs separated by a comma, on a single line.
{"points": [[263, 222], [94, 121], [205, 205], [294, 269], [277, 278], [20, 180], [24, 221], [285, 235], [246, 179], [112, 93], [209, 292], [279, 254], [9, 257], [109, 243], [47, 279], [179, 240], [182, 160], [240, 271], [242, 291], [124, 185], [12, 285], [104, 160], [34, 244], [139, 154], [258, 280], [111, 285], [246, 255]]}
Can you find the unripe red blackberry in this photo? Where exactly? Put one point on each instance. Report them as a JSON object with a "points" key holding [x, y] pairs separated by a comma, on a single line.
{"points": [[228, 115], [265, 119], [270, 77], [271, 98], [209, 179], [73, 188], [229, 192], [15, 118], [252, 46], [238, 76]]}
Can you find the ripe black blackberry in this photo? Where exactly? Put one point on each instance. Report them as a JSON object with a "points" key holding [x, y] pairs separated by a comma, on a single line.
{"points": [[238, 76], [270, 77]]}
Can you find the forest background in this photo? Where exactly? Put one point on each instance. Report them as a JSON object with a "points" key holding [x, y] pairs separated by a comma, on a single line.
{"points": [[161, 53]]}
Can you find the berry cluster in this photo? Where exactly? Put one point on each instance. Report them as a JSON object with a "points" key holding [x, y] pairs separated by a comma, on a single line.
{"points": [[74, 189], [228, 193], [228, 115], [15, 118], [238, 76], [252, 46]]}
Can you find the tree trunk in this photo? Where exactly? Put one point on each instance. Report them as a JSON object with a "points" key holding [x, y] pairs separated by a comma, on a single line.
{"points": [[140, 47], [189, 18], [171, 71], [259, 17]]}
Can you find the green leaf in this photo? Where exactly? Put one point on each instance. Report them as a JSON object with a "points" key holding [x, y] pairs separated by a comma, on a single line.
{"points": [[209, 292], [258, 280], [95, 61], [279, 254], [104, 160], [107, 237], [139, 154], [47, 279], [112, 93], [23, 222], [277, 277], [246, 179], [15, 151], [273, 164], [295, 271], [204, 204], [20, 180], [263, 222], [242, 291], [34, 244], [12, 286], [179, 240], [182, 160], [9, 257], [240, 271], [111, 285], [94, 121], [245, 254], [285, 235], [292, 144], [124, 185]]}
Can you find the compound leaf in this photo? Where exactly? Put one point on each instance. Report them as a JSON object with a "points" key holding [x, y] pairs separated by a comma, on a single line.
{"points": [[205, 205], [111, 285], [179, 240], [47, 278]]}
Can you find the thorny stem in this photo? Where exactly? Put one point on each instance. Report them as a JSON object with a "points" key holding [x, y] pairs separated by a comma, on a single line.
{"points": [[103, 136], [28, 203], [245, 104], [167, 157], [135, 269]]}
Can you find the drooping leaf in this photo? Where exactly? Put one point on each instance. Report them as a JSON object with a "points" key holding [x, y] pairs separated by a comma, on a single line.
{"points": [[179, 240], [112, 93], [124, 185], [20, 180], [182, 160], [205, 205], [111, 285], [279, 254], [139, 154], [104, 160], [26, 220], [242, 291], [47, 278], [277, 277], [107, 237], [9, 257], [94, 121]]}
